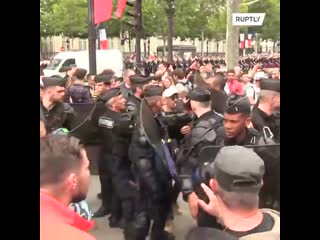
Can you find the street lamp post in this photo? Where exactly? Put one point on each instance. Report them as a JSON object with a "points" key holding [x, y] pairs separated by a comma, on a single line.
{"points": [[92, 39], [148, 47]]}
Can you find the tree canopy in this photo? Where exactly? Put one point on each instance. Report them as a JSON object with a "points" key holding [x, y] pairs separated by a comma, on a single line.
{"points": [[193, 18]]}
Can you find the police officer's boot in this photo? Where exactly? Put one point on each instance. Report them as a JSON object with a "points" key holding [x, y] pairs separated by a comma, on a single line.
{"points": [[101, 212]]}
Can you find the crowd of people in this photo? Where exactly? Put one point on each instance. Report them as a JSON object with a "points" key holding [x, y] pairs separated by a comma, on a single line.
{"points": [[193, 128], [150, 64]]}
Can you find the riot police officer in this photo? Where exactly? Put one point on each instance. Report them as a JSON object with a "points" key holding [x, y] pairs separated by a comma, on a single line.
{"points": [[103, 83], [202, 133], [266, 115], [105, 153], [236, 132], [134, 99], [151, 172], [57, 113], [236, 120], [115, 126]]}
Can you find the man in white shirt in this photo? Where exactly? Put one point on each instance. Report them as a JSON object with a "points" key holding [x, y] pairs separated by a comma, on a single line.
{"points": [[248, 88]]}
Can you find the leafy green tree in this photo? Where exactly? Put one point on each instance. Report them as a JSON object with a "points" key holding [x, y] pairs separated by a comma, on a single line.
{"points": [[45, 17], [71, 18], [271, 25], [216, 27]]}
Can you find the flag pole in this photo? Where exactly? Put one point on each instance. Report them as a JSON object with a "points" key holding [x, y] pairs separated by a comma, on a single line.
{"points": [[92, 39]]}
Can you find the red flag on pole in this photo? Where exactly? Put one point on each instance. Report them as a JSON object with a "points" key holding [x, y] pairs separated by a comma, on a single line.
{"points": [[121, 7], [102, 10]]}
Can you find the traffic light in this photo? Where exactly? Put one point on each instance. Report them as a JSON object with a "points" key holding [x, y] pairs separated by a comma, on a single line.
{"points": [[135, 13], [135, 23]]}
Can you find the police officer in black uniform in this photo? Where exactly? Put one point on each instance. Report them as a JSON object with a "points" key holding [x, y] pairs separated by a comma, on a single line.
{"points": [[236, 132], [115, 126], [266, 115], [236, 120], [105, 154], [152, 177], [57, 113], [134, 100], [203, 133], [103, 84]]}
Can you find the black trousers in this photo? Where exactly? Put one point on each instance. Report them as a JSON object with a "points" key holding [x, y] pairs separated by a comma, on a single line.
{"points": [[175, 194], [105, 180], [146, 210]]}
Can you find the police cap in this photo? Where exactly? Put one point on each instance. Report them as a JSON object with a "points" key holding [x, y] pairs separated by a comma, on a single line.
{"points": [[270, 84], [238, 104], [152, 90], [138, 80], [200, 95], [111, 93], [53, 81]]}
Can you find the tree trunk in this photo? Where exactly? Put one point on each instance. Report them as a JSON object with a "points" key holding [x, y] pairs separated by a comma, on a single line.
{"points": [[257, 43], [164, 46], [202, 39], [232, 38], [129, 40], [170, 36], [139, 29], [71, 42], [267, 46], [144, 48]]}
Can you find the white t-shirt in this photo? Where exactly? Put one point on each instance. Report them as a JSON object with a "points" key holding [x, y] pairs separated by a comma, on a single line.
{"points": [[249, 90]]}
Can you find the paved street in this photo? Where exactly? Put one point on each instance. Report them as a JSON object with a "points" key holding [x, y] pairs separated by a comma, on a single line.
{"points": [[102, 231]]}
